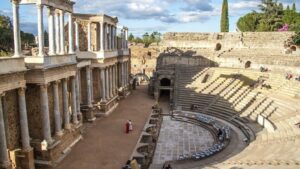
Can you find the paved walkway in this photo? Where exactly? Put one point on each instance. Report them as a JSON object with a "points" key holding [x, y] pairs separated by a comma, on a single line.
{"points": [[105, 145]]}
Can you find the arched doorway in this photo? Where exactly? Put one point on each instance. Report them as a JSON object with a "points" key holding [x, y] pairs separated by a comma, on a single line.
{"points": [[247, 64], [165, 84]]}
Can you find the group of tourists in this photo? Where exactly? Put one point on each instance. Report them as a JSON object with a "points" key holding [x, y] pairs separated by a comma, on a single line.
{"points": [[128, 126]]}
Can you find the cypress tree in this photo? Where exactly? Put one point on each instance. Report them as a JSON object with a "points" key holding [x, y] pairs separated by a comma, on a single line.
{"points": [[224, 17], [294, 7]]}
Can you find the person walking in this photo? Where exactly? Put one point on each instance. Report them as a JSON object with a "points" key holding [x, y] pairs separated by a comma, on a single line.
{"points": [[130, 125]]}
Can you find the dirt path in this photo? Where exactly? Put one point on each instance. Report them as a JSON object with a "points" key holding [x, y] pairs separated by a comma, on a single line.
{"points": [[105, 145]]}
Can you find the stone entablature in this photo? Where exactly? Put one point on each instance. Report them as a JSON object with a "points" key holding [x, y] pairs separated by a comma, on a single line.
{"points": [[11, 65], [50, 61], [96, 18], [65, 5]]}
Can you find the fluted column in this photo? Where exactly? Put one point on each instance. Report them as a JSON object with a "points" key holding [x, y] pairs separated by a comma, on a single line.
{"points": [[102, 72], [66, 105], [92, 85], [40, 30], [57, 118], [62, 32], [57, 33], [109, 36], [71, 43], [23, 120], [77, 36], [107, 83], [4, 159], [112, 37], [126, 38], [89, 37], [16, 27], [105, 36], [101, 36], [89, 87], [45, 113], [74, 102], [51, 31], [113, 80]]}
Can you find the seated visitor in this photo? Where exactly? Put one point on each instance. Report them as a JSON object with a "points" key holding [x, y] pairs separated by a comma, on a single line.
{"points": [[289, 76]]}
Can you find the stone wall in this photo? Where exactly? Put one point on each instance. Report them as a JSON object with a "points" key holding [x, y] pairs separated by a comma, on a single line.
{"points": [[144, 59]]}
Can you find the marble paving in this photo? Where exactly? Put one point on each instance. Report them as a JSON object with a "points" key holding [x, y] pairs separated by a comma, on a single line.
{"points": [[178, 138]]}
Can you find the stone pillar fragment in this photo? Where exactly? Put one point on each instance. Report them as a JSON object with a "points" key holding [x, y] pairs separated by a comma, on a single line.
{"points": [[45, 113], [40, 30], [66, 104], [16, 28]]}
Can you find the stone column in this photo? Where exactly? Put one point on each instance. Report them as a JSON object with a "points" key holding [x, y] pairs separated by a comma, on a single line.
{"points": [[109, 36], [105, 36], [107, 84], [112, 37], [57, 117], [74, 102], [40, 30], [57, 33], [16, 27], [77, 36], [103, 88], [51, 31], [126, 75], [62, 32], [101, 36], [113, 80], [110, 82], [45, 113], [66, 104], [120, 74], [126, 38], [23, 120], [4, 159], [92, 85], [71, 43], [78, 93], [89, 87], [89, 37]]}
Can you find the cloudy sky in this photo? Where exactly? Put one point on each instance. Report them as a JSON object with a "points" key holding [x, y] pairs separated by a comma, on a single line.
{"points": [[153, 15]]}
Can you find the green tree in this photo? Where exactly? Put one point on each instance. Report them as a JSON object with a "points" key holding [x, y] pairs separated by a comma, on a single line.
{"points": [[294, 7], [249, 22], [225, 17], [131, 37]]}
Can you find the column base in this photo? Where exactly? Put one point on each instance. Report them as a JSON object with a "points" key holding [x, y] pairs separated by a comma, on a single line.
{"points": [[124, 92], [26, 159], [88, 114], [58, 150], [104, 109]]}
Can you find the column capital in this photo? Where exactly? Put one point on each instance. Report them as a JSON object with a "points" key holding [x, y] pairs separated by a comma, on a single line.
{"points": [[21, 91], [57, 81], [39, 6], [16, 2], [44, 86], [2, 94]]}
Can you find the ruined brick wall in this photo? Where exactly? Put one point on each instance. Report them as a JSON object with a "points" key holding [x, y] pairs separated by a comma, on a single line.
{"points": [[144, 59], [12, 119]]}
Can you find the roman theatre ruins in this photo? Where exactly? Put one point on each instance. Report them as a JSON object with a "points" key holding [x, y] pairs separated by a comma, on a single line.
{"points": [[197, 100]]}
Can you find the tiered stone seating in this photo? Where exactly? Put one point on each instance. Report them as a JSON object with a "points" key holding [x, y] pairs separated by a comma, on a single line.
{"points": [[228, 94]]}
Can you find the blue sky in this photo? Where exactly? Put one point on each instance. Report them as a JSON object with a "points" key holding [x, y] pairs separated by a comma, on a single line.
{"points": [[153, 15]]}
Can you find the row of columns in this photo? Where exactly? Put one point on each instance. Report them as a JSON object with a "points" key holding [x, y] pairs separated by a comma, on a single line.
{"points": [[25, 139], [108, 81], [108, 37], [124, 74], [55, 27], [57, 114]]}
